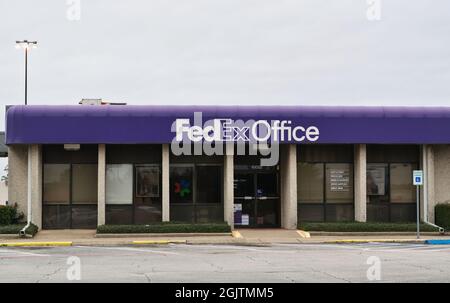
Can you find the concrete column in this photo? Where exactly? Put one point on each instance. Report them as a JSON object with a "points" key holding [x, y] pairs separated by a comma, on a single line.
{"points": [[228, 185], [165, 183], [101, 199], [428, 197], [36, 184], [360, 165], [288, 181], [17, 176]]}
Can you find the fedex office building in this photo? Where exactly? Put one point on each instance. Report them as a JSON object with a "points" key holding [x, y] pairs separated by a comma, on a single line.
{"points": [[250, 166]]}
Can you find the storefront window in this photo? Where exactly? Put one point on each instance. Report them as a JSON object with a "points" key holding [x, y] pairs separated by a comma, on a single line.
{"points": [[181, 184], [310, 182], [147, 181], [208, 184], [402, 189], [119, 184], [56, 184], [339, 183], [84, 183]]}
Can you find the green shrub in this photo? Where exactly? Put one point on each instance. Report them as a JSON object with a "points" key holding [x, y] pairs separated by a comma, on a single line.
{"points": [[442, 215], [9, 215], [165, 227], [16, 228], [365, 227]]}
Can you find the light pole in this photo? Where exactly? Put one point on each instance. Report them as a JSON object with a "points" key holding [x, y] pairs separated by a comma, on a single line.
{"points": [[26, 45]]}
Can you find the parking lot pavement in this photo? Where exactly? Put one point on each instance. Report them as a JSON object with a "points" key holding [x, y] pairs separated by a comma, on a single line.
{"points": [[228, 263]]}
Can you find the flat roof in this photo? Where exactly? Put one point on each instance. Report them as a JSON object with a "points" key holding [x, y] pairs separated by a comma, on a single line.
{"points": [[133, 124]]}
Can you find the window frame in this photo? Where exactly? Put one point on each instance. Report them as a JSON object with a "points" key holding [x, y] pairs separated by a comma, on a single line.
{"points": [[324, 204], [195, 182]]}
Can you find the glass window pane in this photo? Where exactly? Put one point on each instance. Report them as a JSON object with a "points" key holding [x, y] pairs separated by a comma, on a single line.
{"points": [[339, 183], [402, 189], [310, 180], [267, 185], [181, 179], [377, 183], [119, 184], [147, 181], [244, 185], [84, 183], [56, 184], [209, 184]]}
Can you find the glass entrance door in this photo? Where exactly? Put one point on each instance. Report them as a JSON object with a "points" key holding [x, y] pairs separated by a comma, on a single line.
{"points": [[256, 199]]}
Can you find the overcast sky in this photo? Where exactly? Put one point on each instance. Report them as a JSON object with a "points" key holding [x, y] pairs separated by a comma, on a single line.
{"points": [[227, 52]]}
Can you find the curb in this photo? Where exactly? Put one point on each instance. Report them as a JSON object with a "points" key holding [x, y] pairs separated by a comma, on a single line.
{"points": [[236, 234], [303, 234], [35, 244], [9, 236], [438, 242], [372, 233], [147, 242], [160, 235], [346, 241]]}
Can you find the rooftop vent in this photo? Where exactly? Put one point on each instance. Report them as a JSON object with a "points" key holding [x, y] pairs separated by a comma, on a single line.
{"points": [[99, 102]]}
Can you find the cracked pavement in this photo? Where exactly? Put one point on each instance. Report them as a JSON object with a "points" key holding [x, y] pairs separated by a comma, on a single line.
{"points": [[228, 263]]}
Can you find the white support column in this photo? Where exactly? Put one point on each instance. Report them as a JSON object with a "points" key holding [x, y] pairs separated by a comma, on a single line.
{"points": [[165, 183], [288, 180], [360, 166], [36, 184], [228, 184], [101, 183]]}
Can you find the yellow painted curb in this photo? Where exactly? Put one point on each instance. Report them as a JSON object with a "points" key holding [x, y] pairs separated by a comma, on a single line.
{"points": [[35, 244], [304, 234], [236, 234], [159, 242]]}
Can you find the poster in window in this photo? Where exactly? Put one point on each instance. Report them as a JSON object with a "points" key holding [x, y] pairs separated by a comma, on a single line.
{"points": [[376, 180], [339, 179], [147, 181]]}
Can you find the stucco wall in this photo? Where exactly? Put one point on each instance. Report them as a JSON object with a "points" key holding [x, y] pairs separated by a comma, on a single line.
{"points": [[17, 183], [442, 173]]}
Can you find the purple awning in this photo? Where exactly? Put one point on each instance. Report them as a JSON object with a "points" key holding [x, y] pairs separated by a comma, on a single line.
{"points": [[152, 124]]}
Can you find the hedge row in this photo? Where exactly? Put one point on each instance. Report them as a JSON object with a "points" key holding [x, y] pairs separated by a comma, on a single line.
{"points": [[167, 227], [442, 215], [365, 227], [16, 228]]}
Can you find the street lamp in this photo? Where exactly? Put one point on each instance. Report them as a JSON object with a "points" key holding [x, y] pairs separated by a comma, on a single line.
{"points": [[27, 46]]}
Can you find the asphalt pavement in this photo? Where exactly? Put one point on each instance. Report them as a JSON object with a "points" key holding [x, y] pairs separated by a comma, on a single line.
{"points": [[369, 262]]}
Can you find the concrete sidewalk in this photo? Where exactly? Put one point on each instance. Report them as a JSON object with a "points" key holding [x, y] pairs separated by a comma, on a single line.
{"points": [[239, 237]]}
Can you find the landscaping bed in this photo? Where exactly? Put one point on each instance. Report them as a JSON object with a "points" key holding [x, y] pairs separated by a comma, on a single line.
{"points": [[167, 227], [442, 213], [365, 227], [16, 228]]}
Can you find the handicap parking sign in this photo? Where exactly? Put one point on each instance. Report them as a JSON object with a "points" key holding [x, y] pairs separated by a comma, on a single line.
{"points": [[418, 177]]}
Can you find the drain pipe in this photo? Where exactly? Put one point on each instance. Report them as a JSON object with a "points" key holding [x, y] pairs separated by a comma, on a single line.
{"points": [[22, 232], [425, 189]]}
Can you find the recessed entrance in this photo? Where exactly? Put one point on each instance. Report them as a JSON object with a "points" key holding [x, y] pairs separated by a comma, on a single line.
{"points": [[256, 197]]}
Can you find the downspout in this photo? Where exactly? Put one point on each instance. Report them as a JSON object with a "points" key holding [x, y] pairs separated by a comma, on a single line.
{"points": [[22, 232], [425, 189]]}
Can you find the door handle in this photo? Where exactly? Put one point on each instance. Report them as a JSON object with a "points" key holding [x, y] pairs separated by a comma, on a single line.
{"points": [[248, 198], [262, 198]]}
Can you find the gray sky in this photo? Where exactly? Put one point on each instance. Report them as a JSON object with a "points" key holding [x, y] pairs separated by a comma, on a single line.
{"points": [[227, 52]]}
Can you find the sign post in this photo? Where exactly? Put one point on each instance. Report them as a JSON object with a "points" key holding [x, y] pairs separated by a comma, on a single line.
{"points": [[418, 181]]}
